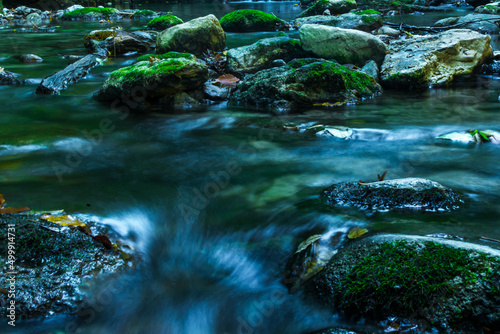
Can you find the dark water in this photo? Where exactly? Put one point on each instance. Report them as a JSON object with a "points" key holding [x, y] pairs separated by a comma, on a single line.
{"points": [[217, 201]]}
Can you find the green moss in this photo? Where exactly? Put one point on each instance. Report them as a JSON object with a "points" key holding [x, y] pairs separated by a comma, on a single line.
{"points": [[405, 276], [367, 12], [167, 55], [145, 12], [245, 20], [89, 12], [164, 22]]}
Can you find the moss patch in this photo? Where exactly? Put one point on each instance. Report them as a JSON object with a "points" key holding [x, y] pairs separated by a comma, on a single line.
{"points": [[367, 12], [245, 20], [164, 22], [143, 13], [89, 12], [167, 55]]}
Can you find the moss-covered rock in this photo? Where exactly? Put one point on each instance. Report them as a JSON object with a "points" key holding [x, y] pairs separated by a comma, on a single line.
{"points": [[117, 42], [334, 6], [361, 20], [451, 285], [90, 13], [347, 46], [196, 37], [246, 20], [493, 8], [408, 193], [143, 13], [156, 79], [304, 83], [52, 262], [167, 55], [261, 54], [436, 60], [164, 22]]}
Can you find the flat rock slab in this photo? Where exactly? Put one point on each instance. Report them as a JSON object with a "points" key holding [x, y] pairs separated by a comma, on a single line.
{"points": [[408, 193]]}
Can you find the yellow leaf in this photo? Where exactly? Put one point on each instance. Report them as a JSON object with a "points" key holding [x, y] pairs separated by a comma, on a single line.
{"points": [[356, 232], [64, 220]]}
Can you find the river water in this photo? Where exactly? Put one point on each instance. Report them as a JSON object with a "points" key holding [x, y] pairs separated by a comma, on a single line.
{"points": [[217, 201]]}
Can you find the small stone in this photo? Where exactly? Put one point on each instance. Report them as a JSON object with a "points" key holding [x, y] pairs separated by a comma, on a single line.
{"points": [[30, 58]]}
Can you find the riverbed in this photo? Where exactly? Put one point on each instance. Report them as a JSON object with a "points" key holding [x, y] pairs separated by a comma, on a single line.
{"points": [[216, 201]]}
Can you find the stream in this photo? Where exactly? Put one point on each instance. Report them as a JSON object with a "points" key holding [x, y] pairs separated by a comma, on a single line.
{"points": [[217, 201]]}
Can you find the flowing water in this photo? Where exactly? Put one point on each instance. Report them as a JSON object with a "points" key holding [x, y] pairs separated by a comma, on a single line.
{"points": [[217, 201]]}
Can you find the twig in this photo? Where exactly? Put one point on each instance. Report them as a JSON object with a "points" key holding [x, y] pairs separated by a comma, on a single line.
{"points": [[489, 239]]}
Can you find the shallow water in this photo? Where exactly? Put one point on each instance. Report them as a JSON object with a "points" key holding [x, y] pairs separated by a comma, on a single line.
{"points": [[213, 262]]}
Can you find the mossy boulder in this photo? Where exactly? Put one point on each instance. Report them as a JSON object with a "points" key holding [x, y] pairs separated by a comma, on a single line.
{"points": [[196, 36], [304, 83], [260, 55], [446, 284], [408, 193], [164, 22], [361, 20], [117, 42], [491, 8], [52, 263], [347, 46], [90, 13], [155, 80], [167, 55], [143, 13], [247, 20], [437, 60], [334, 6]]}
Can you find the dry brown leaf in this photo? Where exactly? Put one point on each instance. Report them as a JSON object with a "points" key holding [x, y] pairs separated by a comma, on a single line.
{"points": [[64, 220], [227, 80], [2, 201], [10, 210], [4, 291], [356, 232], [104, 240]]}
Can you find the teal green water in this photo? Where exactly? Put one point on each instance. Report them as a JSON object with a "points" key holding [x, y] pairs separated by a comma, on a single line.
{"points": [[213, 261]]}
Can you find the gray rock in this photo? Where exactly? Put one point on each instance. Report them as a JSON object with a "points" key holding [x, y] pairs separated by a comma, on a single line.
{"points": [[278, 63], [9, 78], [347, 46], [216, 93], [483, 23], [435, 59], [195, 36], [34, 18], [182, 101], [117, 42], [371, 69], [408, 193], [334, 6], [261, 54], [491, 8], [304, 83], [386, 30], [72, 8], [30, 58], [363, 22]]}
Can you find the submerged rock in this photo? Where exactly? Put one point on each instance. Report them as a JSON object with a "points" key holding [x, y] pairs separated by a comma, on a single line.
{"points": [[52, 263], [164, 22], [483, 23], [367, 20], [472, 136], [246, 20], [449, 284], [154, 80], [334, 6], [303, 83], [9, 78], [436, 60], [408, 193], [346, 46], [260, 55], [196, 36]]}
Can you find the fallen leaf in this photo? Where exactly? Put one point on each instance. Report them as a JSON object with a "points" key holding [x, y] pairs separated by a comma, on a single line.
{"points": [[64, 220], [2, 200], [104, 240], [227, 80], [356, 232], [4, 291], [382, 177], [10, 210]]}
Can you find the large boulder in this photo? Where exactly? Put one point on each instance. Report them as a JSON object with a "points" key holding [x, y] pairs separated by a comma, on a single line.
{"points": [[164, 22], [196, 36], [366, 20], [333, 6], [117, 42], [435, 59], [483, 23], [304, 83], [90, 13], [346, 46], [408, 193], [448, 284], [245, 20], [260, 55], [154, 79]]}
